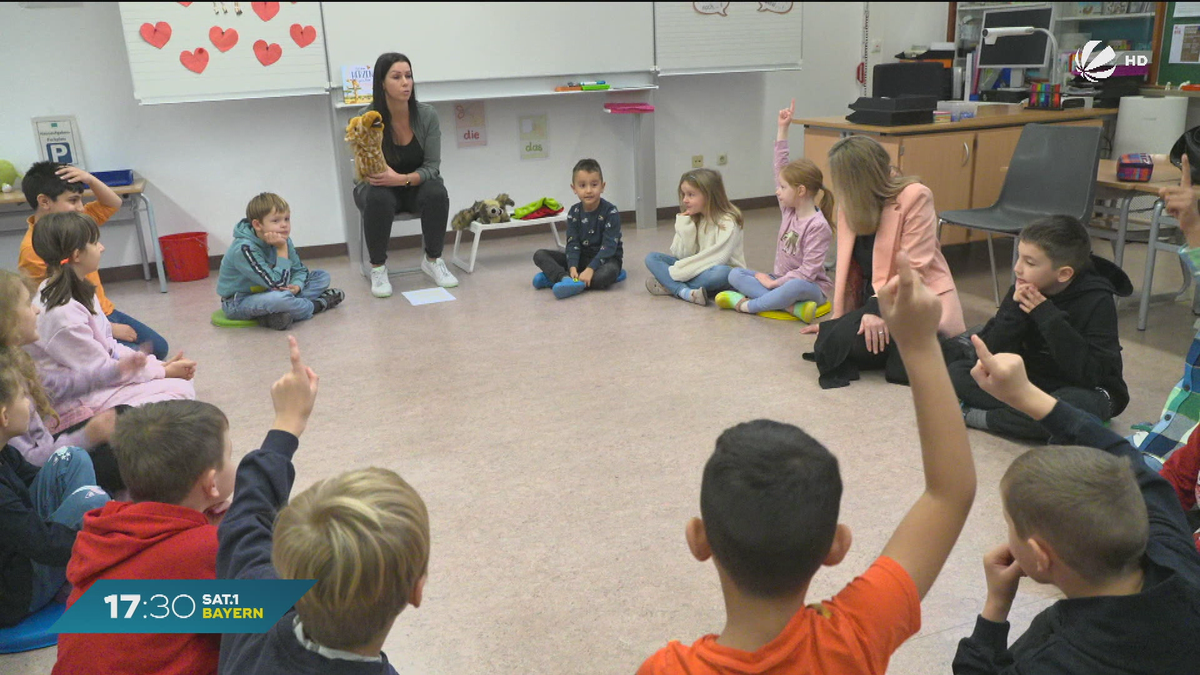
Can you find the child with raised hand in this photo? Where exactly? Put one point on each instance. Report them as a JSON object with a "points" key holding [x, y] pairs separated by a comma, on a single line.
{"points": [[363, 535], [40, 509], [707, 244], [593, 240], [18, 328], [1100, 526], [799, 284], [769, 503], [51, 187], [75, 337]]}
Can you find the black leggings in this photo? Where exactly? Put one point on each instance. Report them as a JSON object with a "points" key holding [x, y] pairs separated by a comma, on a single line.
{"points": [[379, 206]]}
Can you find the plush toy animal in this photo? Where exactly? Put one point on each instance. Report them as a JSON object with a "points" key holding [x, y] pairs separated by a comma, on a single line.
{"points": [[365, 136], [484, 212]]}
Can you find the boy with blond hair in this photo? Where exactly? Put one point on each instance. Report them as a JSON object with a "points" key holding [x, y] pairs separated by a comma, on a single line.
{"points": [[176, 461], [363, 535], [261, 275], [1100, 526], [769, 503]]}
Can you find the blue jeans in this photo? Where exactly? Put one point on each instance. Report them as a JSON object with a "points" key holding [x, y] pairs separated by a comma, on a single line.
{"points": [[63, 490], [713, 280], [144, 334], [243, 306], [780, 297]]}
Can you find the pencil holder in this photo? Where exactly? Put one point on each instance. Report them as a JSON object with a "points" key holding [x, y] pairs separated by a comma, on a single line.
{"points": [[1045, 96]]}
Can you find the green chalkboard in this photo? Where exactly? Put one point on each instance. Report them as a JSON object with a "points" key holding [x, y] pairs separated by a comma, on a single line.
{"points": [[1175, 72]]}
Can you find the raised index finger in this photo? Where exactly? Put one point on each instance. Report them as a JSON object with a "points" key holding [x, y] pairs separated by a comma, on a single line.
{"points": [[981, 350], [294, 349]]}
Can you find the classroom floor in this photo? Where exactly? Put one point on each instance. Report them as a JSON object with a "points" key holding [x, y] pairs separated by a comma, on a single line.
{"points": [[559, 446]]}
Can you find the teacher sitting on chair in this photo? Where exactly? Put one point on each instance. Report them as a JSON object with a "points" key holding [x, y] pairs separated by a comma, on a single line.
{"points": [[412, 148]]}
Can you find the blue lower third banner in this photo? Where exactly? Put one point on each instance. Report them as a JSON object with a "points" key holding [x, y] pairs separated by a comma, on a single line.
{"points": [[182, 606]]}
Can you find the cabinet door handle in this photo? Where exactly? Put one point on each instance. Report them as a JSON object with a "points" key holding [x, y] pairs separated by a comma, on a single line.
{"points": [[966, 153]]}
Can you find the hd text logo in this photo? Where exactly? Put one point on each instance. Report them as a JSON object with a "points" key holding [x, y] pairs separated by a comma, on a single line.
{"points": [[1094, 65]]}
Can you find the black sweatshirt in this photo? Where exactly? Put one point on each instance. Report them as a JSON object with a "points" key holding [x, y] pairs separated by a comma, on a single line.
{"points": [[24, 538], [264, 482], [1071, 339], [1156, 631]]}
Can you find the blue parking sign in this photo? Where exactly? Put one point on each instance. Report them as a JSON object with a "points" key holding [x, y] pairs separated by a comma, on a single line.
{"points": [[60, 152]]}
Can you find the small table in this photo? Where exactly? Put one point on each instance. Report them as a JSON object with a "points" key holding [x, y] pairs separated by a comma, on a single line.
{"points": [[135, 195], [478, 229], [1108, 187]]}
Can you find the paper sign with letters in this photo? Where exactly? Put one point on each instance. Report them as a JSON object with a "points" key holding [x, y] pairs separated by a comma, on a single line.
{"points": [[535, 142], [470, 122], [58, 140]]}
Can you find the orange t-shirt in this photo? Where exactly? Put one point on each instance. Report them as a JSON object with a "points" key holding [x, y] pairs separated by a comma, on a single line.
{"points": [[855, 632], [32, 265]]}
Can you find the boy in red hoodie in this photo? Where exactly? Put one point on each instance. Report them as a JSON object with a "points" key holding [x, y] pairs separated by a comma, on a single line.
{"points": [[175, 459]]}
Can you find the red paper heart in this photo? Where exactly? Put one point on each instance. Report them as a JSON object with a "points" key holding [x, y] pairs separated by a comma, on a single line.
{"points": [[303, 35], [186, 4], [157, 34], [267, 53], [223, 40], [195, 61], [265, 10]]}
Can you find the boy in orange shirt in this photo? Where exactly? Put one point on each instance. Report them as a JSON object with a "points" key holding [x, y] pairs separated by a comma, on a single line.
{"points": [[769, 503], [51, 187]]}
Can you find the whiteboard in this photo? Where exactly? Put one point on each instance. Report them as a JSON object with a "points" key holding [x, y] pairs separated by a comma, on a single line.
{"points": [[206, 51], [716, 37], [479, 41]]}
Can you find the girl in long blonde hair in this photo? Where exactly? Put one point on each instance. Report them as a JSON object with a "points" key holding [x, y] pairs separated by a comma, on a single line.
{"points": [[880, 213], [707, 244], [799, 284]]}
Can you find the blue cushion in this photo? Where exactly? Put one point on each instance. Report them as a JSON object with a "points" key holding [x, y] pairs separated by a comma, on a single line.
{"points": [[34, 632]]}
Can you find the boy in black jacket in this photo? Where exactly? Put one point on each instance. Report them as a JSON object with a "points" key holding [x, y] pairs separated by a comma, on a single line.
{"points": [[363, 535], [1060, 317], [1101, 527]]}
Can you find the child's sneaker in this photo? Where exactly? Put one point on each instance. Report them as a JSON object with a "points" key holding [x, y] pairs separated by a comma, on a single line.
{"points": [[696, 296], [277, 320], [568, 287], [540, 281], [655, 287], [810, 311], [621, 277], [728, 299], [328, 299]]}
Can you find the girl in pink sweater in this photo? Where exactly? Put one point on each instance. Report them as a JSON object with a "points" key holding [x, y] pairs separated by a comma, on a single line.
{"points": [[799, 284], [75, 336]]}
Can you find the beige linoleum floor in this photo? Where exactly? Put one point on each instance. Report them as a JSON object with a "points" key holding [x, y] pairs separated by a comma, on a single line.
{"points": [[559, 446]]}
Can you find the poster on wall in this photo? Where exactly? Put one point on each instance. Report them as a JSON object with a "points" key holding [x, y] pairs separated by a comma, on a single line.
{"points": [[470, 122], [1185, 43], [535, 142], [58, 140]]}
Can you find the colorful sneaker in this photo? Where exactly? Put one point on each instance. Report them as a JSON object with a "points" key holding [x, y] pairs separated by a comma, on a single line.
{"points": [[438, 272], [277, 321], [568, 287], [810, 311], [655, 287], [380, 286], [728, 299], [540, 281]]}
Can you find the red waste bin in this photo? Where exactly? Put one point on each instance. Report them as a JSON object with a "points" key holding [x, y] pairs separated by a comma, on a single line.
{"points": [[185, 255]]}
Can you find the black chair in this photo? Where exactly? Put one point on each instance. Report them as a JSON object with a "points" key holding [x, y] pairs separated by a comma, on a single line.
{"points": [[1052, 172]]}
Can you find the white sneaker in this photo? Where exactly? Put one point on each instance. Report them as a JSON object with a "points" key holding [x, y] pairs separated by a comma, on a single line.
{"points": [[438, 272], [380, 286]]}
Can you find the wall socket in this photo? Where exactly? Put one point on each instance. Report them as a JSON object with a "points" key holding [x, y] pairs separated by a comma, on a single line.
{"points": [[697, 161], [722, 159]]}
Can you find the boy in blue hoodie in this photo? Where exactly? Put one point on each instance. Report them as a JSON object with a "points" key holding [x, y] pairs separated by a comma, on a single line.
{"points": [[262, 277]]}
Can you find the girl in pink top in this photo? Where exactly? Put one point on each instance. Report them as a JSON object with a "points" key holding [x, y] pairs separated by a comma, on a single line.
{"points": [[799, 284], [76, 337]]}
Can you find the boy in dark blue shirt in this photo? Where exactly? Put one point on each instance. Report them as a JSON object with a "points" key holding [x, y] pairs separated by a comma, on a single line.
{"points": [[593, 240]]}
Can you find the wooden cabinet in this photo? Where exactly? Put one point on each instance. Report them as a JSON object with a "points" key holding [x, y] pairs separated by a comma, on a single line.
{"points": [[962, 163]]}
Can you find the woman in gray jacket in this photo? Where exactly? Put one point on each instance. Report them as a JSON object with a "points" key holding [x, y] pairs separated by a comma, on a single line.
{"points": [[412, 148]]}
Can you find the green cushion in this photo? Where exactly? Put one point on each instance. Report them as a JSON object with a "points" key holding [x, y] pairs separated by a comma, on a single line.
{"points": [[221, 321]]}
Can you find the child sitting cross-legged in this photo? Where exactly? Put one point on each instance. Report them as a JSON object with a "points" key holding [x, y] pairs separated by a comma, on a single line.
{"points": [[261, 275], [363, 535], [175, 459], [1092, 520], [769, 503], [593, 255]]}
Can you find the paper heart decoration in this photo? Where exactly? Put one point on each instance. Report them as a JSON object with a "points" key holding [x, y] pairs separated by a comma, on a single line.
{"points": [[267, 53], [303, 35], [195, 61], [156, 34], [265, 10], [223, 39], [186, 4]]}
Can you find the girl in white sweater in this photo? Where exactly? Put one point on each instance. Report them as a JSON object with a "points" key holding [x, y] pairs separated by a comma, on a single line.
{"points": [[707, 244]]}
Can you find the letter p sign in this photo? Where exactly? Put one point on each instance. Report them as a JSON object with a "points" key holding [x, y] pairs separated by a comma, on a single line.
{"points": [[59, 152]]}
